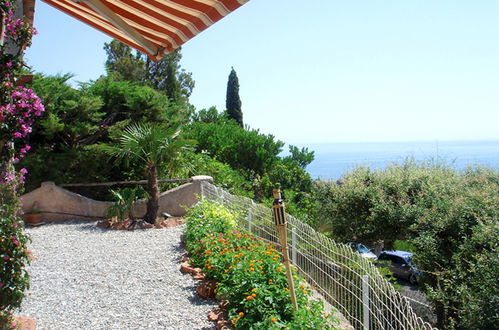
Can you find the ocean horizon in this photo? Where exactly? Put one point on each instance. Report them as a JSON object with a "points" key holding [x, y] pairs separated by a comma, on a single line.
{"points": [[333, 160]]}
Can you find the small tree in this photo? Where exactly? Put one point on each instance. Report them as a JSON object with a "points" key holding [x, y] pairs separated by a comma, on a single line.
{"points": [[233, 102], [165, 75], [154, 148]]}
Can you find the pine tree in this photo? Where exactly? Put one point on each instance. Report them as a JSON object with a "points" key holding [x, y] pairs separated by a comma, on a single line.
{"points": [[165, 75], [233, 102]]}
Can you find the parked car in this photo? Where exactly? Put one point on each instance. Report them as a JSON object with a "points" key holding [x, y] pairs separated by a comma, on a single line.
{"points": [[362, 250], [400, 263]]}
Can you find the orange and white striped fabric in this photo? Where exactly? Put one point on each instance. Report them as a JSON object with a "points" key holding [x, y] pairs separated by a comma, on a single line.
{"points": [[154, 27]]}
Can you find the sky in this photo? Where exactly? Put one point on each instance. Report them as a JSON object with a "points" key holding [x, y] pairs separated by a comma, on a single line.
{"points": [[321, 71]]}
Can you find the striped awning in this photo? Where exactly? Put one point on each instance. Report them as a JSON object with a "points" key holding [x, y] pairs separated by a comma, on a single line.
{"points": [[154, 27]]}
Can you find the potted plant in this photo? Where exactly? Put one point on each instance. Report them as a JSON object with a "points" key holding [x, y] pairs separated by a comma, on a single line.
{"points": [[34, 216]]}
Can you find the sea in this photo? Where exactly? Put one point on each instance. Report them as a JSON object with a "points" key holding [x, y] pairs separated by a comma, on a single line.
{"points": [[333, 160]]}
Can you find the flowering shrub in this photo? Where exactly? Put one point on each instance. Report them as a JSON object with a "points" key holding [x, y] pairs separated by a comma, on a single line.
{"points": [[18, 108], [14, 279], [248, 273]]}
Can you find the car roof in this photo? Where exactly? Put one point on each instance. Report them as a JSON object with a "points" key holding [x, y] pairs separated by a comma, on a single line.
{"points": [[398, 253]]}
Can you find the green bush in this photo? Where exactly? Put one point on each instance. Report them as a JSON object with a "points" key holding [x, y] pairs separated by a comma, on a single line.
{"points": [[223, 175], [368, 205], [248, 273], [449, 219], [233, 145]]}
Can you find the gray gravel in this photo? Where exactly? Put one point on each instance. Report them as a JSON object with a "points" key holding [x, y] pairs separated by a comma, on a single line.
{"points": [[85, 277]]}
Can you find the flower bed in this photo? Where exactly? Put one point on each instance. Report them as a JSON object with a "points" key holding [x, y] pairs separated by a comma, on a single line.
{"points": [[248, 273]]}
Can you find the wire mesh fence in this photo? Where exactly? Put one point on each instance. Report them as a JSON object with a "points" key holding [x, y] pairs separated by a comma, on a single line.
{"points": [[349, 282]]}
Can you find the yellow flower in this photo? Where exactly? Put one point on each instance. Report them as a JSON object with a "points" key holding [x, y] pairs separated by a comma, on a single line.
{"points": [[253, 290]]}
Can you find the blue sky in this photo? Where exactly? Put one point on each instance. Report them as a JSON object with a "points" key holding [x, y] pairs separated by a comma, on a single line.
{"points": [[327, 70]]}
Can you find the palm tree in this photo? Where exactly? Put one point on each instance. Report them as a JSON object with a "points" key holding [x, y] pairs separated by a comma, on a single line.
{"points": [[154, 147]]}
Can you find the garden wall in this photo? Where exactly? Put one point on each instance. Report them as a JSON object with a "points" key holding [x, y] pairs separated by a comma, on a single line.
{"points": [[56, 204]]}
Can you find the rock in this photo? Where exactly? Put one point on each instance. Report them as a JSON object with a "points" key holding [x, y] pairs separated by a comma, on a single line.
{"points": [[30, 255], [223, 325], [199, 276], [206, 289], [25, 323], [188, 269], [212, 316], [104, 224]]}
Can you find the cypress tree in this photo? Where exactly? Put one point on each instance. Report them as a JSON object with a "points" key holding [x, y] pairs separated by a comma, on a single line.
{"points": [[233, 102]]}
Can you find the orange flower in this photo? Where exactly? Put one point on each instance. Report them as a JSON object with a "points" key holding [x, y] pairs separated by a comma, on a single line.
{"points": [[273, 319], [226, 271], [241, 314], [270, 281], [252, 269], [234, 320], [249, 297], [253, 295]]}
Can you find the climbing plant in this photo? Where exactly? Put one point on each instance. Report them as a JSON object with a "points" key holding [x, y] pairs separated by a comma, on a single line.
{"points": [[19, 106]]}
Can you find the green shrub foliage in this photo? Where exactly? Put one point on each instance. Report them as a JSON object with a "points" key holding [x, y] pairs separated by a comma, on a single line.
{"points": [[448, 218], [248, 273], [257, 158]]}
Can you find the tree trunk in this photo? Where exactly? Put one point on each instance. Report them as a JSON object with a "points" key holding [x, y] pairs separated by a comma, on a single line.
{"points": [[153, 190]]}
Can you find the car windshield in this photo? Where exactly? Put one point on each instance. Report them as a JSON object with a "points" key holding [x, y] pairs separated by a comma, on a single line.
{"points": [[362, 249]]}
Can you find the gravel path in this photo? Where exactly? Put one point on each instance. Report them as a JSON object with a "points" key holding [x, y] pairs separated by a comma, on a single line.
{"points": [[85, 277]]}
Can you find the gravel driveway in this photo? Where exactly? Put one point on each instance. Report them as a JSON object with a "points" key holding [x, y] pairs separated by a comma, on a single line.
{"points": [[85, 277]]}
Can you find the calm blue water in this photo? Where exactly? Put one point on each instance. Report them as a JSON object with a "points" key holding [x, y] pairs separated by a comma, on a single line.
{"points": [[334, 159]]}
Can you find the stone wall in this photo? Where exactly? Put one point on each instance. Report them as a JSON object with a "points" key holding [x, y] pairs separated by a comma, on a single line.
{"points": [[57, 204]]}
